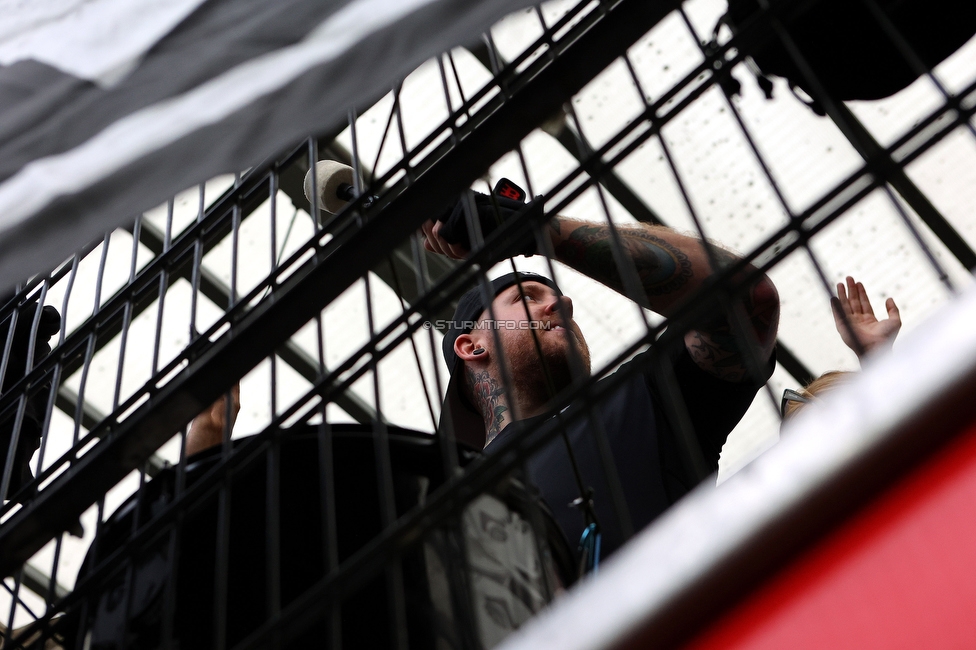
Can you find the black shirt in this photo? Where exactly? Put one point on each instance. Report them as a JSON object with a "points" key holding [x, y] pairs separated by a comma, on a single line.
{"points": [[642, 443]]}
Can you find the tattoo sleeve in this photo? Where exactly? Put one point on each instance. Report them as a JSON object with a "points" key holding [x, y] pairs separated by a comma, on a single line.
{"points": [[488, 397], [670, 267], [720, 350], [661, 267]]}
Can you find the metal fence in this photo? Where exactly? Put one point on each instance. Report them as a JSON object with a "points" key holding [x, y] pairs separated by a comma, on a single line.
{"points": [[328, 322]]}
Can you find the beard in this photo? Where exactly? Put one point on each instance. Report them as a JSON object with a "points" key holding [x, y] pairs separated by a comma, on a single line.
{"points": [[543, 378]]}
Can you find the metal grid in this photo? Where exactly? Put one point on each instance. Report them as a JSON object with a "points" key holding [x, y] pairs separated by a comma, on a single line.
{"points": [[274, 313]]}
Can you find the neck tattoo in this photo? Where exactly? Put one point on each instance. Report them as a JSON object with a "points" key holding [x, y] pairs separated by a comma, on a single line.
{"points": [[488, 397]]}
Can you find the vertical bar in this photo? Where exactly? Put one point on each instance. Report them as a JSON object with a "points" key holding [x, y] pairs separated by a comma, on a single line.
{"points": [[48, 413], [929, 255], [234, 245], [381, 442], [8, 633], [273, 234], [379, 150], [273, 470], [413, 344], [8, 344], [127, 314], [80, 640], [52, 586], [169, 632], [222, 560], [225, 495], [733, 306], [330, 535], [313, 157], [457, 82], [82, 386], [132, 558], [101, 273], [163, 288], [273, 528], [617, 499], [9, 468], [448, 444], [858, 347], [324, 441], [402, 136], [737, 309], [447, 99], [56, 379], [195, 271], [625, 265]]}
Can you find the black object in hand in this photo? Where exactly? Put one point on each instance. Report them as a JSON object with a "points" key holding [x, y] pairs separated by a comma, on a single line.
{"points": [[30, 430], [507, 201]]}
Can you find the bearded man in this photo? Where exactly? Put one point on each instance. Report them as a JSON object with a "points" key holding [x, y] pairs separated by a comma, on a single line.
{"points": [[514, 346]]}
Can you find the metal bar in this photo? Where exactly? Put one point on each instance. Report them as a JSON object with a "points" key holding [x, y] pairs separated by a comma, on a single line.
{"points": [[401, 257], [872, 152], [67, 399], [52, 586], [14, 600], [784, 356], [633, 289], [876, 155], [290, 352]]}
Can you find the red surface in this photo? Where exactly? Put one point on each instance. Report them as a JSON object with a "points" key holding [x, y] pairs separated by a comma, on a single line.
{"points": [[902, 574]]}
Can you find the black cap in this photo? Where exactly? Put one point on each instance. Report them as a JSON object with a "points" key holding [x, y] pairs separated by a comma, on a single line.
{"points": [[466, 422]]}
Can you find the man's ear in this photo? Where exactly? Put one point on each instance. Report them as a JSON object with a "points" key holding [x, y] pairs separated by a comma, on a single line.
{"points": [[465, 346]]}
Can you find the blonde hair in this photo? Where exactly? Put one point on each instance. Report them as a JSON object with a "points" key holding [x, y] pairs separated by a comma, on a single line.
{"points": [[825, 383]]}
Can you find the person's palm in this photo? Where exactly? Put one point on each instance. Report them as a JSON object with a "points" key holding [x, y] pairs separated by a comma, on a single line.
{"points": [[862, 331]]}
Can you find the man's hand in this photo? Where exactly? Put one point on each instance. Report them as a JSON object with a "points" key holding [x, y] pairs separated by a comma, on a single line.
{"points": [[435, 243], [207, 429], [868, 332], [448, 234]]}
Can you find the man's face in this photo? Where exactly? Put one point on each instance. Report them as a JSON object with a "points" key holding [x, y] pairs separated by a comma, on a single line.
{"points": [[533, 321]]}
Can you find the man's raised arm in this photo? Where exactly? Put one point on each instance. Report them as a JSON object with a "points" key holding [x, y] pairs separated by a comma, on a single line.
{"points": [[670, 267]]}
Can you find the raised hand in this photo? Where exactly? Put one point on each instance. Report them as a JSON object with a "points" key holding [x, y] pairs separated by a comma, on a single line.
{"points": [[207, 429], [865, 332]]}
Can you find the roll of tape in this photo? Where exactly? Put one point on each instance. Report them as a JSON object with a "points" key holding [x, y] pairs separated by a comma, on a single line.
{"points": [[329, 175]]}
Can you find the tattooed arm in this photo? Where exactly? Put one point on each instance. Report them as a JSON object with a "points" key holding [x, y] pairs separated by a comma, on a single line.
{"points": [[670, 268]]}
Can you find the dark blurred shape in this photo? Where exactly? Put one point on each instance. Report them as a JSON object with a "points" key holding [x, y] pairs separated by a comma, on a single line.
{"points": [[28, 439], [851, 53], [444, 586]]}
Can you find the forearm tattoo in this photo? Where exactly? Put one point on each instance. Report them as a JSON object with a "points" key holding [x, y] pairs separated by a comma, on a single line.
{"points": [[664, 269], [487, 396], [718, 353], [720, 349], [661, 267]]}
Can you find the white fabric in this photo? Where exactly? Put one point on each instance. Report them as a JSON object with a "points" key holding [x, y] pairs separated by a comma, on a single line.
{"points": [[156, 126], [97, 40]]}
